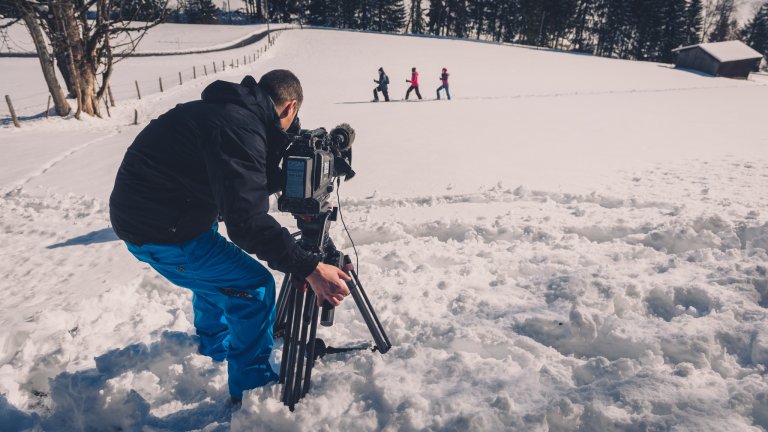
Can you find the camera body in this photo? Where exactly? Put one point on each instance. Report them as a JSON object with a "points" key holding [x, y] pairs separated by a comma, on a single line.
{"points": [[312, 162]]}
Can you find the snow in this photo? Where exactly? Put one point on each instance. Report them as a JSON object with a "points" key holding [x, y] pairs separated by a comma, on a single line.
{"points": [[23, 80], [727, 51], [572, 243], [163, 38]]}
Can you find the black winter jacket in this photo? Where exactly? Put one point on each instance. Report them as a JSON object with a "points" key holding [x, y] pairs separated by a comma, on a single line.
{"points": [[215, 156]]}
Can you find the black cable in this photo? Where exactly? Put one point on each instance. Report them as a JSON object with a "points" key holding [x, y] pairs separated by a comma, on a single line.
{"points": [[338, 200]]}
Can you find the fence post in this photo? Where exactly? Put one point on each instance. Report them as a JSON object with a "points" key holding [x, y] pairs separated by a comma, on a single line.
{"points": [[13, 112], [237, 62], [194, 72], [244, 62], [138, 92], [48, 107], [180, 83], [161, 84], [135, 116], [205, 69], [111, 97], [214, 67], [223, 66]]}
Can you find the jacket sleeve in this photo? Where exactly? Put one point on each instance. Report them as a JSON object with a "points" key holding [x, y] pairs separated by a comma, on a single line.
{"points": [[236, 161]]}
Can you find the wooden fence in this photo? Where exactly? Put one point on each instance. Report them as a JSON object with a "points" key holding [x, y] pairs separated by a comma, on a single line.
{"points": [[145, 88]]}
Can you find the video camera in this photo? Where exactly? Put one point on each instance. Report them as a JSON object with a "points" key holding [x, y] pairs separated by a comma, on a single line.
{"points": [[312, 161]]}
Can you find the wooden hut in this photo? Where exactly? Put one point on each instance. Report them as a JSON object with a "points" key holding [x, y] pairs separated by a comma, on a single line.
{"points": [[732, 59]]}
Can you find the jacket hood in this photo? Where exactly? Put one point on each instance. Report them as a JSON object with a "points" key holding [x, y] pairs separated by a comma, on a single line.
{"points": [[248, 95]]}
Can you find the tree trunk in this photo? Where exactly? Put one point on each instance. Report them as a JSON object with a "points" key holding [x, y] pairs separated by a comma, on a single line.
{"points": [[82, 71], [46, 61], [82, 46]]}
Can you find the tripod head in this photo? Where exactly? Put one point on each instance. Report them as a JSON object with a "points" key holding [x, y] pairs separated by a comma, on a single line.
{"points": [[314, 238]]}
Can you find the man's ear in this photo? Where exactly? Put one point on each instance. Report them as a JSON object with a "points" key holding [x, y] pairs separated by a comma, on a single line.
{"points": [[287, 109], [284, 112]]}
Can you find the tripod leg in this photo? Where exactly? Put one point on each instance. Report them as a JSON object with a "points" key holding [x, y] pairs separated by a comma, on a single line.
{"points": [[282, 300], [307, 317], [310, 352], [369, 315], [293, 350], [290, 300]]}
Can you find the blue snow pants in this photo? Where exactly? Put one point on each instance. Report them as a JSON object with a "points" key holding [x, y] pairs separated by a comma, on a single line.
{"points": [[233, 301]]}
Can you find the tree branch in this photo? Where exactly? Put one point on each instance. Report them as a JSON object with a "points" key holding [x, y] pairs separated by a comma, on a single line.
{"points": [[6, 25]]}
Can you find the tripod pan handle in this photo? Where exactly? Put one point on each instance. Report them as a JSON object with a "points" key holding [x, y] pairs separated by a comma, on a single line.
{"points": [[326, 315]]}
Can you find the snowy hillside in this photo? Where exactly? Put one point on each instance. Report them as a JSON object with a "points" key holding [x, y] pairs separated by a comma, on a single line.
{"points": [[571, 243]]}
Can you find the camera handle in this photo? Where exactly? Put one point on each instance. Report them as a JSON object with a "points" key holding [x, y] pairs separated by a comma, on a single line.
{"points": [[298, 313]]}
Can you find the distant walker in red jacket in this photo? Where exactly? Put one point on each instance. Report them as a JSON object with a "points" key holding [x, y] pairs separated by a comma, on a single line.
{"points": [[444, 79], [414, 84]]}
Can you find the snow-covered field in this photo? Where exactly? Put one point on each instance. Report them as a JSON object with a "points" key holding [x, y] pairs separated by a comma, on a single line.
{"points": [[572, 243], [161, 38], [23, 80]]}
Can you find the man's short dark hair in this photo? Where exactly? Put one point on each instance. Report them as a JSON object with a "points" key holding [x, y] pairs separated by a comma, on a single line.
{"points": [[282, 86]]}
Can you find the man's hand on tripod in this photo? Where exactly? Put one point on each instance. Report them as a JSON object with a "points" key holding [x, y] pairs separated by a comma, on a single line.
{"points": [[327, 282]]}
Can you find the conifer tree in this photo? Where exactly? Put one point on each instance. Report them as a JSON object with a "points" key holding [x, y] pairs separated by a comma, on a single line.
{"points": [[390, 15], [693, 22], [458, 18], [477, 12], [140, 10], [202, 12], [417, 23], [323, 13], [614, 28], [365, 13], [436, 16], [755, 32], [673, 29], [583, 24]]}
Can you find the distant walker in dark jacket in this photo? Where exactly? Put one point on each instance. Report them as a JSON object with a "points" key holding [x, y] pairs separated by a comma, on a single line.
{"points": [[220, 156], [383, 86], [414, 84]]}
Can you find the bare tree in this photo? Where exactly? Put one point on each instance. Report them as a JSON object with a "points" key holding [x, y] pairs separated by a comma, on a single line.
{"points": [[86, 38], [719, 21]]}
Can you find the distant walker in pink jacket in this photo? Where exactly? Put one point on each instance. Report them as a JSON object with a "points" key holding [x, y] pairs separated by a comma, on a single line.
{"points": [[414, 84]]}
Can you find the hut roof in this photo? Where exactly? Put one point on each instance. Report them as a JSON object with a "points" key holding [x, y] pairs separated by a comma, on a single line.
{"points": [[727, 51]]}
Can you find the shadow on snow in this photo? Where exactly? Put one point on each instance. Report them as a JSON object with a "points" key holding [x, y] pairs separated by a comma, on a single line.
{"points": [[101, 236], [105, 398]]}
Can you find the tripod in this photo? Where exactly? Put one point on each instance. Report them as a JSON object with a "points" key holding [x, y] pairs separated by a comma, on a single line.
{"points": [[298, 312]]}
